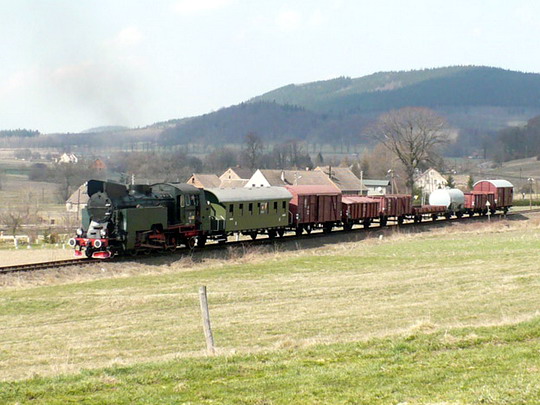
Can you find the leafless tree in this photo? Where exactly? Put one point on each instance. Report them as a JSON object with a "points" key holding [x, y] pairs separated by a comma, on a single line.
{"points": [[413, 135], [15, 217], [253, 148]]}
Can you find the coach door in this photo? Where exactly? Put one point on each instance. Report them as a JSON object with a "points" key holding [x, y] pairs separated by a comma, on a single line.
{"points": [[190, 208]]}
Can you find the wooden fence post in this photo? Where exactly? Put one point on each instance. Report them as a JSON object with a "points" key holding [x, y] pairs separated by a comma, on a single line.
{"points": [[206, 320]]}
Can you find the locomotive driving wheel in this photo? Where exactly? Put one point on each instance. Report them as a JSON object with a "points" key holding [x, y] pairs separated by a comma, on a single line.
{"points": [[190, 243]]}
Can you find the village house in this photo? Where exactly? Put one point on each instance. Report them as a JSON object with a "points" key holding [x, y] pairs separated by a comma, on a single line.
{"points": [[204, 180], [430, 180], [376, 187], [67, 158], [344, 179], [235, 177], [78, 200], [269, 178]]}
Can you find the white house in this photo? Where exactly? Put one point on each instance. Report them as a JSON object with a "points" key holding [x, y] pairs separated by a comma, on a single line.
{"points": [[430, 180], [67, 158], [268, 178]]}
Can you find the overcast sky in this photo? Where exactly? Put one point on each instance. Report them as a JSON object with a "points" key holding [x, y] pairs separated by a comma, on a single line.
{"points": [[69, 65]]}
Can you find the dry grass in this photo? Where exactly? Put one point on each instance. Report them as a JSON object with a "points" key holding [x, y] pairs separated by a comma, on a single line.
{"points": [[267, 298], [34, 255]]}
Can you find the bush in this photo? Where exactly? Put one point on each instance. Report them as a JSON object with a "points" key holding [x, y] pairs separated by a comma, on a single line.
{"points": [[525, 202]]}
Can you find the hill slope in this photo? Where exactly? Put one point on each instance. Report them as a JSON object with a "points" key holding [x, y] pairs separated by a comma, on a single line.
{"points": [[451, 86], [476, 100]]}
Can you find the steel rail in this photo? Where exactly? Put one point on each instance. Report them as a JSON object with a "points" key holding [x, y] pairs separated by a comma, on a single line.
{"points": [[291, 236]]}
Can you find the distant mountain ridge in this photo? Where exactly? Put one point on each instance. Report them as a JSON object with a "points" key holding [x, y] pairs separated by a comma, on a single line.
{"points": [[439, 87]]}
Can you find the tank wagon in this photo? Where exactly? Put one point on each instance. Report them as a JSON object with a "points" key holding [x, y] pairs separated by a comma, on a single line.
{"points": [[451, 198], [121, 219]]}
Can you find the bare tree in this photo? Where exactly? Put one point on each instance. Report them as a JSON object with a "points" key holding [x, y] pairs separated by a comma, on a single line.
{"points": [[413, 135], [15, 217], [253, 148]]}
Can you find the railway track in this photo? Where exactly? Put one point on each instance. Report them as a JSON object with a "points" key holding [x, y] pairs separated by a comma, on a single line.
{"points": [[84, 261], [45, 265]]}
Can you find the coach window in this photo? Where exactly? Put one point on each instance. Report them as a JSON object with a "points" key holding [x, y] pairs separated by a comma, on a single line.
{"points": [[250, 208], [264, 208], [231, 209], [241, 209], [284, 205], [275, 206], [182, 203]]}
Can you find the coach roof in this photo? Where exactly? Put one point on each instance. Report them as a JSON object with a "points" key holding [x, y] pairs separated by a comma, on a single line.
{"points": [[250, 194], [496, 183]]}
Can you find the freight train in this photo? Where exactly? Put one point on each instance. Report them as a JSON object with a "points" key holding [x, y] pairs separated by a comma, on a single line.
{"points": [[140, 219]]}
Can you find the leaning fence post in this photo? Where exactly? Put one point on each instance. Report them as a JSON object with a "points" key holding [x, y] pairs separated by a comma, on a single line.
{"points": [[206, 320]]}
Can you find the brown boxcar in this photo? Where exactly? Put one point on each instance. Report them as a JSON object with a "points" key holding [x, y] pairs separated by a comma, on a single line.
{"points": [[503, 190], [358, 209], [314, 206], [476, 202], [396, 206], [419, 212]]}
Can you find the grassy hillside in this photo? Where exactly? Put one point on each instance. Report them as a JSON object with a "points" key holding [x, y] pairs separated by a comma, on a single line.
{"points": [[490, 365], [275, 309]]}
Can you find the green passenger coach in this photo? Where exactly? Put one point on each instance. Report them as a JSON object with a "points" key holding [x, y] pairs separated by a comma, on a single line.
{"points": [[248, 211]]}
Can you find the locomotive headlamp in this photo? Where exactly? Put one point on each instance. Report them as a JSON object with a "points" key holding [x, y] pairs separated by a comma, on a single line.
{"points": [[103, 233], [72, 242], [97, 243], [79, 232]]}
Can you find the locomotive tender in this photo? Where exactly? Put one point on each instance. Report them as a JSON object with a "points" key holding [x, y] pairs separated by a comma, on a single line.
{"points": [[138, 219]]}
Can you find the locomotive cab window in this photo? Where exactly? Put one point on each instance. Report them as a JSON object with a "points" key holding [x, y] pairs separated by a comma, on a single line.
{"points": [[182, 201]]}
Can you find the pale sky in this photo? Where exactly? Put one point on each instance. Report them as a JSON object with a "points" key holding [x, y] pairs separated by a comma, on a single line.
{"points": [[69, 65]]}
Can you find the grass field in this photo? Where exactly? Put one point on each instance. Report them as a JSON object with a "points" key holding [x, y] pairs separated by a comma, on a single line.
{"points": [[448, 315]]}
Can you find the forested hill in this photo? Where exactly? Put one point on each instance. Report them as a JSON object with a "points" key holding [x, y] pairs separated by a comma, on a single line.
{"points": [[476, 100], [442, 87]]}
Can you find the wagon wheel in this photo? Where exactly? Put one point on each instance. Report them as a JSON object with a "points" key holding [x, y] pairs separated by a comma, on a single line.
{"points": [[190, 242], [253, 235], [308, 229], [298, 230], [172, 245], [201, 241], [272, 233], [367, 223], [281, 232], [347, 226], [400, 220], [327, 228], [434, 217]]}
